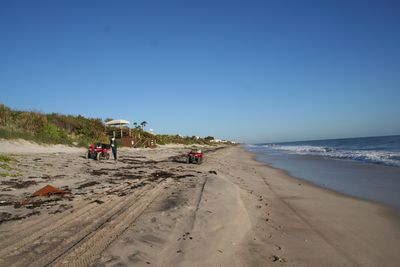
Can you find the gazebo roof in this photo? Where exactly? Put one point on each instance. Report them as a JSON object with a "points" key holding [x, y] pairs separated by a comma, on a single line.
{"points": [[117, 123]]}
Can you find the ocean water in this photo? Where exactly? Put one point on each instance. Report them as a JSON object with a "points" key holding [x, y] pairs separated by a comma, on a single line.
{"points": [[367, 167]]}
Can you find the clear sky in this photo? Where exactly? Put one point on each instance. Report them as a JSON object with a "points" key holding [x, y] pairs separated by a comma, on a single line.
{"points": [[251, 71]]}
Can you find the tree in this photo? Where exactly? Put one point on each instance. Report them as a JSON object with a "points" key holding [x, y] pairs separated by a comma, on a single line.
{"points": [[137, 125], [143, 124]]}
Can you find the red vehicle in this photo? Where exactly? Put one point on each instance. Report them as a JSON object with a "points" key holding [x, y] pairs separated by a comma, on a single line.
{"points": [[195, 156], [98, 151]]}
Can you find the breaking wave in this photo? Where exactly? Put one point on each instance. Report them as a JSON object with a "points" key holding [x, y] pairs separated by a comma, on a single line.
{"points": [[388, 158]]}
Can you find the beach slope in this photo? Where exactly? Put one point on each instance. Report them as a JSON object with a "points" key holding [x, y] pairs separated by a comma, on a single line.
{"points": [[150, 208]]}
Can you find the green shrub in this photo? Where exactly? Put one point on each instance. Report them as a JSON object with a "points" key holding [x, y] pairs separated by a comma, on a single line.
{"points": [[52, 134], [14, 134]]}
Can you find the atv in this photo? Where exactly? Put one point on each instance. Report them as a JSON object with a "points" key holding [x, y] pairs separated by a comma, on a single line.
{"points": [[195, 156], [98, 151]]}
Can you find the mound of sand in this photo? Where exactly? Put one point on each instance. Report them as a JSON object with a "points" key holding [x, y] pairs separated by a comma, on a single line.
{"points": [[20, 146]]}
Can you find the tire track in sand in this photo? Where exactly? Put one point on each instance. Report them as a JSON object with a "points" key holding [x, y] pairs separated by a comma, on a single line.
{"points": [[86, 250]]}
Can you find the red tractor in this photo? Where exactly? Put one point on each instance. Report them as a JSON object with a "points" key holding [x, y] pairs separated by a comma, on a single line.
{"points": [[98, 151], [195, 156]]}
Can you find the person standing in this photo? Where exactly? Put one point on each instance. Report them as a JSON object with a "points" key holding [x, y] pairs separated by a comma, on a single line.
{"points": [[113, 144]]}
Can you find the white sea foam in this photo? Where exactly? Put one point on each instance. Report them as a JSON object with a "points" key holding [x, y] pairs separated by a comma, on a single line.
{"points": [[303, 149], [371, 156]]}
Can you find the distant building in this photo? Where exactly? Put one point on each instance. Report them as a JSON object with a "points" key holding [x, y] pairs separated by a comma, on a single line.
{"points": [[221, 141]]}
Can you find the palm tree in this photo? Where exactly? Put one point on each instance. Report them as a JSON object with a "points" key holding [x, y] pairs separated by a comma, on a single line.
{"points": [[135, 124], [143, 124]]}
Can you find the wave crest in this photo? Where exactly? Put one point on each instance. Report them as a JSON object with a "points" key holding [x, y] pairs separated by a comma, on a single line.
{"points": [[371, 156]]}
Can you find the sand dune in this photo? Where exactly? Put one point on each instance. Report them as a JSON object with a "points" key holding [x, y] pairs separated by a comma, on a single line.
{"points": [[21, 146]]}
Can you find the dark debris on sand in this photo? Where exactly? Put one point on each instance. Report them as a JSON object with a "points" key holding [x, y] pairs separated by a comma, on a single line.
{"points": [[88, 184], [14, 183]]}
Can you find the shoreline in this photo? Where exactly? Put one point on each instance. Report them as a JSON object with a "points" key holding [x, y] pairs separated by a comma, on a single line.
{"points": [[372, 211], [388, 210], [291, 176]]}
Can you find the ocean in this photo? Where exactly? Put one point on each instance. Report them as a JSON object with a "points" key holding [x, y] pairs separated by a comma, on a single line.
{"points": [[367, 167]]}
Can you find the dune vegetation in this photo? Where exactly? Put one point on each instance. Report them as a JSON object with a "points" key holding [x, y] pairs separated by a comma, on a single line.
{"points": [[74, 130]]}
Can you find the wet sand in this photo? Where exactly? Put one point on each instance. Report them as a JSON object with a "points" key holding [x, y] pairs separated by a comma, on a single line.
{"points": [[378, 183], [151, 209]]}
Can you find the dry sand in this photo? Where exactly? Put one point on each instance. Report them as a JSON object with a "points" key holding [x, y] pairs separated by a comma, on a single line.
{"points": [[25, 147], [151, 209]]}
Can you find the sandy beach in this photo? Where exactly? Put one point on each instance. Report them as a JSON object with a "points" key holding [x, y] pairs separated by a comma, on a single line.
{"points": [[152, 209]]}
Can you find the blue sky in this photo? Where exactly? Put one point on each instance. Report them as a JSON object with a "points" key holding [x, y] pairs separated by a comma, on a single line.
{"points": [[251, 71]]}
